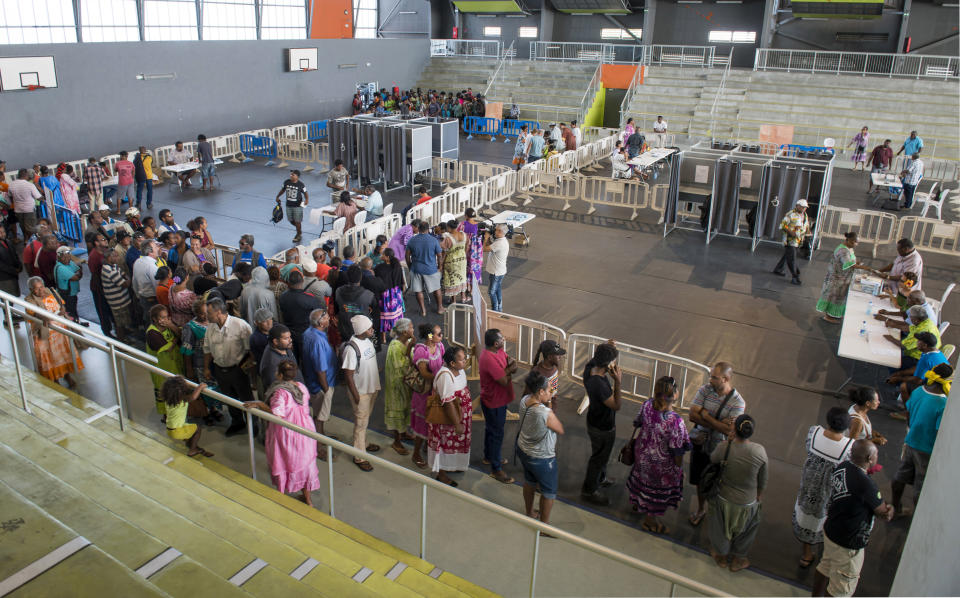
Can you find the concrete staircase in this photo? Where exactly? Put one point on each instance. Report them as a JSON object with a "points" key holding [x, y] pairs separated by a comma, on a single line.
{"points": [[732, 97], [546, 91], [161, 524], [674, 93], [453, 74]]}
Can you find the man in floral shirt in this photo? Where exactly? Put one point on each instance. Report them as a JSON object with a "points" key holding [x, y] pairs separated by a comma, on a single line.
{"points": [[795, 227]]}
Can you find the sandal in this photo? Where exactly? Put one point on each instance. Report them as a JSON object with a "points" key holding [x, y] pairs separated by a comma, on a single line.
{"points": [[738, 565], [696, 518], [200, 452], [659, 528], [419, 462], [364, 465], [486, 461], [401, 450], [501, 477], [373, 448], [804, 563]]}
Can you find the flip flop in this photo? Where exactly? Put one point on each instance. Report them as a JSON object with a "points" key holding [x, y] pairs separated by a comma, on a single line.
{"points": [[804, 563], [364, 465], [504, 478], [696, 518], [420, 462], [373, 448], [659, 528], [400, 450]]}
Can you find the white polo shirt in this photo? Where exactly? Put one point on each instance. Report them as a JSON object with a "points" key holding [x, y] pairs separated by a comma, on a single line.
{"points": [[660, 127], [497, 262], [143, 277]]}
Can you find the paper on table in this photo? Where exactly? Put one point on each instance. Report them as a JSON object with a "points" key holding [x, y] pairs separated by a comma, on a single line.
{"points": [[884, 350], [701, 174], [316, 216]]}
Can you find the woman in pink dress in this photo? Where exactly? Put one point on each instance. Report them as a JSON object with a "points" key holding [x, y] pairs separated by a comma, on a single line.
{"points": [[292, 456], [427, 357], [68, 190], [448, 445]]}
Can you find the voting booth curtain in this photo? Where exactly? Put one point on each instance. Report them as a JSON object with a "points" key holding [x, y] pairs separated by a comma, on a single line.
{"points": [[341, 135], [725, 204], [784, 185], [673, 191]]}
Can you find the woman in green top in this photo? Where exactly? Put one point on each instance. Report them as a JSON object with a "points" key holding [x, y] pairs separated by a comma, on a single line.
{"points": [[833, 296], [163, 342], [396, 393]]}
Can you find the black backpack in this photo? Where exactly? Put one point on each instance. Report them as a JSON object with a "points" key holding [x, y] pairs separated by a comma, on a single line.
{"points": [[277, 214]]}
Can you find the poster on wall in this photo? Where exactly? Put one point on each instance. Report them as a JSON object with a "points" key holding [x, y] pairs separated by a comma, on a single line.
{"points": [[494, 110], [776, 134]]}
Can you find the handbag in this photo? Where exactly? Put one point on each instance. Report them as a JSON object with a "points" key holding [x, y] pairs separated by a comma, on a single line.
{"points": [[435, 413], [627, 454], [413, 380], [711, 479]]}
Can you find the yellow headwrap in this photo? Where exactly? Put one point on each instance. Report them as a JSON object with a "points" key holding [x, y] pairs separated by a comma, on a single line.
{"points": [[933, 377]]}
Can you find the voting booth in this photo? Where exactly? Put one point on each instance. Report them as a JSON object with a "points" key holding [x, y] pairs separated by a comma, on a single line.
{"points": [[390, 151]]}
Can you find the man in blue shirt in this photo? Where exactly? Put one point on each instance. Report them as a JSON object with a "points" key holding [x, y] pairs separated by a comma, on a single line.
{"points": [[248, 254], [423, 252], [319, 365], [911, 145], [912, 378], [926, 406], [67, 274]]}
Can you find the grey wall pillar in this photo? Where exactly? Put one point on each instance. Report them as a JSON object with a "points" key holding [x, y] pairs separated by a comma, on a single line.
{"points": [[902, 36], [769, 23], [546, 23], [649, 21]]}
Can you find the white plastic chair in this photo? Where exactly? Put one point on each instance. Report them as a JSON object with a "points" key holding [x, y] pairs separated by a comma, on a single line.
{"points": [[338, 225], [388, 210], [946, 294], [830, 142], [934, 197], [943, 328], [360, 218], [447, 217], [948, 350]]}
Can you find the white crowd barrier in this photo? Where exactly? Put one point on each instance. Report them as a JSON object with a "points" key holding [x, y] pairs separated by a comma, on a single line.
{"points": [[533, 184], [295, 132], [877, 228], [500, 188], [618, 193], [641, 367], [322, 151], [934, 170], [473, 172], [445, 170], [931, 235], [292, 150]]}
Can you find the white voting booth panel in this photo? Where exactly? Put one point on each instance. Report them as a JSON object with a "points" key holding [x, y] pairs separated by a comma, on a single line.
{"points": [[24, 72]]}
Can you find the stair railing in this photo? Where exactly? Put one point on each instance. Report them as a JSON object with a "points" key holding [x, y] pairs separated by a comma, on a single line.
{"points": [[588, 96], [120, 352], [717, 98], [509, 52], [628, 97]]}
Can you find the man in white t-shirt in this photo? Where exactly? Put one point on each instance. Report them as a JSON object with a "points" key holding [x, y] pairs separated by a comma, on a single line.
{"points": [[359, 361], [660, 131], [499, 247], [181, 156], [577, 133]]}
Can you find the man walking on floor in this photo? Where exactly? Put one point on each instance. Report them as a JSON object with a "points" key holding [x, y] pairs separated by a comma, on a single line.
{"points": [[296, 195], [796, 227]]}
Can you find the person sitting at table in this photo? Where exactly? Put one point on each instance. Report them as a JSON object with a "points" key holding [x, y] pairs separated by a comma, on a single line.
{"points": [[374, 202], [422, 195], [621, 170], [908, 260], [892, 317], [907, 281], [833, 295], [346, 209], [909, 379], [921, 323], [880, 159], [181, 156]]}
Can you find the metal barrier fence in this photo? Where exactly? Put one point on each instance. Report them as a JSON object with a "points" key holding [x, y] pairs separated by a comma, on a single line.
{"points": [[931, 235], [121, 353], [682, 56], [466, 48], [295, 132], [322, 151], [618, 193], [588, 52], [500, 187], [474, 172], [226, 147], [877, 228], [445, 170], [641, 368], [934, 170], [481, 125], [523, 335], [510, 128], [914, 66], [263, 146], [296, 151], [533, 183]]}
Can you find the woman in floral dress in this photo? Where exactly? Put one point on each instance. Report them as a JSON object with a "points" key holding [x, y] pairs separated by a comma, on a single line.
{"points": [[52, 350], [859, 143], [428, 359], [448, 445], [454, 280], [656, 480], [396, 393], [833, 295], [475, 246]]}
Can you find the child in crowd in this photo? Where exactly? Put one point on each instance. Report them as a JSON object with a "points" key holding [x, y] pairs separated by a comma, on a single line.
{"points": [[177, 396]]}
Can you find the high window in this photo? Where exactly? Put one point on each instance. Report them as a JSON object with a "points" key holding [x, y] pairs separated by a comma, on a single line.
{"points": [[37, 22]]}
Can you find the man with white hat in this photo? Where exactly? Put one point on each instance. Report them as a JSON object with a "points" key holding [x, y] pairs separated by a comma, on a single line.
{"points": [[110, 225], [795, 226], [359, 362]]}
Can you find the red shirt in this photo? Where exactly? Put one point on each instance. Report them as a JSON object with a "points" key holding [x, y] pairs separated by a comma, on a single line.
{"points": [[124, 172], [322, 271], [95, 263], [424, 199], [29, 255], [492, 366], [881, 157]]}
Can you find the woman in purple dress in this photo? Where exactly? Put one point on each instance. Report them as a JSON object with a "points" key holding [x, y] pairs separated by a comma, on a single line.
{"points": [[859, 143], [474, 246], [656, 480], [427, 357]]}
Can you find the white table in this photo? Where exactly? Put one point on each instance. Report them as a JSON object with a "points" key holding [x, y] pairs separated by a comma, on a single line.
{"points": [[517, 220], [885, 182], [651, 157], [870, 349], [177, 169], [329, 211]]}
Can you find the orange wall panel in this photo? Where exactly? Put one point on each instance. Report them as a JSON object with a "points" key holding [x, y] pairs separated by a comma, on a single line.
{"points": [[617, 76], [332, 19]]}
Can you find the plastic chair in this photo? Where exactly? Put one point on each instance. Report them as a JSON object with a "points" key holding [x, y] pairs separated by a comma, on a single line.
{"points": [[947, 350], [943, 328], [447, 217], [360, 218], [946, 294], [928, 198], [338, 225], [388, 210], [830, 142]]}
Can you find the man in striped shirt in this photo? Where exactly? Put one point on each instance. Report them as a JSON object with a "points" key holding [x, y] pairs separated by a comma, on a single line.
{"points": [[115, 289], [93, 177]]}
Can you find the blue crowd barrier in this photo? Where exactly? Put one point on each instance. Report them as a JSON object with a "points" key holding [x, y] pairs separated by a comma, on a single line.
{"points": [[69, 224], [317, 130], [254, 145], [479, 125], [803, 151], [510, 128]]}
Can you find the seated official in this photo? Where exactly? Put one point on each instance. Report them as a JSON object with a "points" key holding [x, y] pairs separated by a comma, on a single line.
{"points": [[908, 346]]}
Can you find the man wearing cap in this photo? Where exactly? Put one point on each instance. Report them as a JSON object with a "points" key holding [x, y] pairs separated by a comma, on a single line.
{"points": [[496, 392], [363, 383], [110, 225], [67, 274], [795, 227], [133, 219], [296, 193]]}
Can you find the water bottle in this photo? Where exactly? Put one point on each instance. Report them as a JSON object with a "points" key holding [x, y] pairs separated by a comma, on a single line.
{"points": [[870, 307], [863, 329]]}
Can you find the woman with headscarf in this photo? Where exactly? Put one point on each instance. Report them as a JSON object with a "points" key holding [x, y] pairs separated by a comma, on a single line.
{"points": [[734, 514], [292, 456], [396, 393], [257, 294]]}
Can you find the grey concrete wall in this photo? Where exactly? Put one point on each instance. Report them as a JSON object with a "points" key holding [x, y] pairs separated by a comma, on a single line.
{"points": [[586, 28], [928, 564], [805, 34], [100, 107], [473, 29], [690, 25], [393, 24], [929, 23]]}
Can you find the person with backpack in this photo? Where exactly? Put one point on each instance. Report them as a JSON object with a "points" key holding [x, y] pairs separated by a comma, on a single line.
{"points": [[358, 360]]}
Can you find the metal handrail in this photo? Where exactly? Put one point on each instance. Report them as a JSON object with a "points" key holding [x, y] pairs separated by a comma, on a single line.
{"points": [[451, 47], [628, 97], [590, 94], [858, 63], [500, 63], [131, 355], [720, 88]]}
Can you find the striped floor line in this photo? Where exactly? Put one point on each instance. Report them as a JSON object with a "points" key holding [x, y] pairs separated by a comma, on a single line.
{"points": [[158, 562], [395, 572], [243, 575], [362, 575], [305, 567], [437, 571], [41, 565]]}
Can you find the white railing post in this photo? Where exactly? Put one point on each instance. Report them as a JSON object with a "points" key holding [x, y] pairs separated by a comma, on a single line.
{"points": [[533, 565], [423, 521], [121, 412], [16, 354], [329, 449], [253, 453]]}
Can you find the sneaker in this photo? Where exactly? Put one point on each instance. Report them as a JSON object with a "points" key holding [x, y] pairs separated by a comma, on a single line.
{"points": [[796, 281], [607, 482]]}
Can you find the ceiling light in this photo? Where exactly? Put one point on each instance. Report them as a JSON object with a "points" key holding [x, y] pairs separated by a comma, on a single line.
{"points": [[143, 77]]}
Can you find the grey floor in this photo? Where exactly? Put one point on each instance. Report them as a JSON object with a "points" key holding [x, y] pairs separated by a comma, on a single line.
{"points": [[605, 275]]}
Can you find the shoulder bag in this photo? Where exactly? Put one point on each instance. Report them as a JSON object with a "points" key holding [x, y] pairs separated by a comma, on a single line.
{"points": [[627, 454], [704, 433], [435, 413], [711, 479], [413, 380]]}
